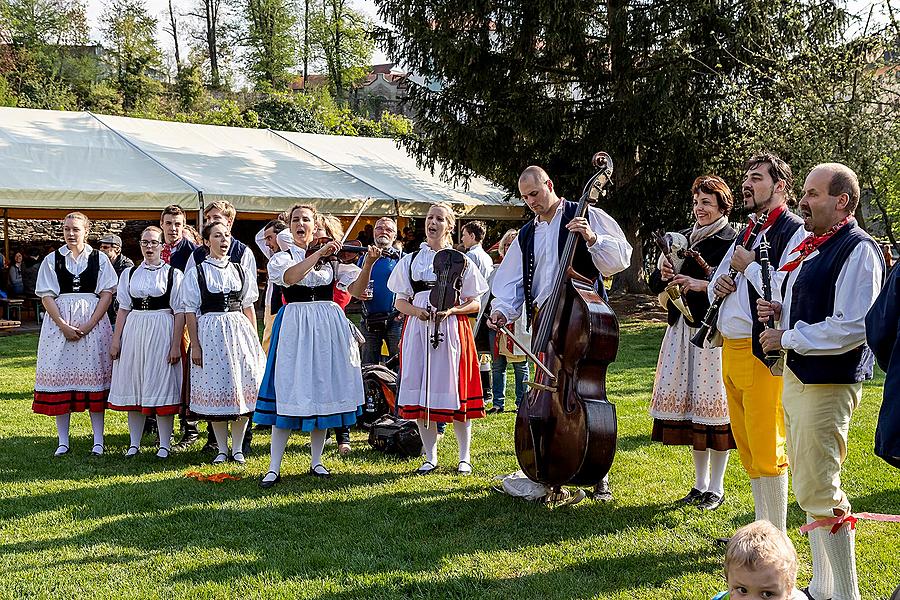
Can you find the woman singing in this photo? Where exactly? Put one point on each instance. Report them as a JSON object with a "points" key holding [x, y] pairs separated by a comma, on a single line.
{"points": [[450, 391], [689, 407], [74, 369], [146, 345], [313, 379]]}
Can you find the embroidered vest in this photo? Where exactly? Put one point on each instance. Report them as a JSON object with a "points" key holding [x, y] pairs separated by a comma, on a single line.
{"points": [[83, 283], [152, 302], [220, 302]]}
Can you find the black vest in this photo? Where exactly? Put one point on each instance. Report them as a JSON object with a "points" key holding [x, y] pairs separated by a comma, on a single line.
{"points": [[277, 300], [179, 258], [152, 302], [303, 293], [418, 286], [221, 302], [581, 262], [235, 252], [85, 282], [778, 236], [812, 301]]}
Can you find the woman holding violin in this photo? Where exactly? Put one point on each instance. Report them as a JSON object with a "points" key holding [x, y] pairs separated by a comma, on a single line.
{"points": [[439, 376], [313, 379]]}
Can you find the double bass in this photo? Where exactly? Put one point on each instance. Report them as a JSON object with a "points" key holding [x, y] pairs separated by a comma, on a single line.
{"points": [[565, 430]]}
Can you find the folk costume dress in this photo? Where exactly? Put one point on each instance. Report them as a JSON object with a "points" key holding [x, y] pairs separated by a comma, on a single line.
{"points": [[142, 377], [227, 384], [689, 406], [73, 376], [455, 383], [313, 379]]}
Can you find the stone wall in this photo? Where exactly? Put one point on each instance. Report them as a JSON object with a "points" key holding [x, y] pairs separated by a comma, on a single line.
{"points": [[43, 233]]}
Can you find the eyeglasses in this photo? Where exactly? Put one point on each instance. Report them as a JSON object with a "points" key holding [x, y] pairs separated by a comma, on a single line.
{"points": [[150, 243]]}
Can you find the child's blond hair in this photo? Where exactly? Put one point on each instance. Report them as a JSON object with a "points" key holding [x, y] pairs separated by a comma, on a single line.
{"points": [[762, 544]]}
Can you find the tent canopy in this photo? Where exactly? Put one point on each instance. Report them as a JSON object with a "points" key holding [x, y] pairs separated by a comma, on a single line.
{"points": [[53, 161]]}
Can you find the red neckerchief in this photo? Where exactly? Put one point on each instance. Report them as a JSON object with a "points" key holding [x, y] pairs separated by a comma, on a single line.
{"points": [[166, 253], [771, 219], [810, 243]]}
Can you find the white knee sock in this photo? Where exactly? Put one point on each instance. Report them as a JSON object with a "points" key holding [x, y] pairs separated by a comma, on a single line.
{"points": [[463, 432], [97, 427], [62, 428], [429, 437], [135, 430], [165, 424], [841, 550], [220, 430], [718, 462], [279, 443], [316, 445], [773, 493], [821, 586], [759, 502], [701, 470], [238, 429]]}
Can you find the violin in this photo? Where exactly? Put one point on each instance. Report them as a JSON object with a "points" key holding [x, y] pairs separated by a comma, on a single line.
{"points": [[565, 430], [449, 266], [348, 252]]}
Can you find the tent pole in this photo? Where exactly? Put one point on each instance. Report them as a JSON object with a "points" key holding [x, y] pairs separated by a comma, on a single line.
{"points": [[6, 235], [200, 210]]}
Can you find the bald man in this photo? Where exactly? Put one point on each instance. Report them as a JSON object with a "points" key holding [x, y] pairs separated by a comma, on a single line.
{"points": [[525, 277], [829, 282]]}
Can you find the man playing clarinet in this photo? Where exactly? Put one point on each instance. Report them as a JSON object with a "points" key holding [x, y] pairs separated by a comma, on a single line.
{"points": [[754, 393]]}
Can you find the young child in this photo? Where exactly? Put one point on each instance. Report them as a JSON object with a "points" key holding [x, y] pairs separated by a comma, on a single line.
{"points": [[760, 562]]}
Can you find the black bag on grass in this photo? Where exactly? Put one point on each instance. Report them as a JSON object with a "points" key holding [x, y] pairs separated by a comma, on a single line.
{"points": [[396, 436]]}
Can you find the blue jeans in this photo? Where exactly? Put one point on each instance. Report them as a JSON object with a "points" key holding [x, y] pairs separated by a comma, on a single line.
{"points": [[389, 334], [498, 368]]}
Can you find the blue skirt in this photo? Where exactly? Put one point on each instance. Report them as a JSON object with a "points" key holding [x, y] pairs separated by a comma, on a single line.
{"points": [[267, 404]]}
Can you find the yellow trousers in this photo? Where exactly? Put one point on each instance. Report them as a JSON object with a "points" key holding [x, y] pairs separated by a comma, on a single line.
{"points": [[268, 319], [817, 418], [754, 406]]}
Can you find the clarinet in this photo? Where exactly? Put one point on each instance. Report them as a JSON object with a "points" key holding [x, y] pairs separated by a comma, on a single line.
{"points": [[708, 326], [771, 357]]}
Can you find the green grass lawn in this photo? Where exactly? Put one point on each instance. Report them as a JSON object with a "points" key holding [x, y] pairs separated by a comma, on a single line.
{"points": [[109, 528]]}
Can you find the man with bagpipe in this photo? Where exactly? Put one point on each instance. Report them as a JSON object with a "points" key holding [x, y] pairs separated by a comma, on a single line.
{"points": [[754, 393], [829, 282]]}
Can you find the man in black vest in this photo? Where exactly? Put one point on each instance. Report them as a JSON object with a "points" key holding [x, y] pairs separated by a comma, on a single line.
{"points": [[525, 277], [111, 246], [828, 284], [754, 393]]}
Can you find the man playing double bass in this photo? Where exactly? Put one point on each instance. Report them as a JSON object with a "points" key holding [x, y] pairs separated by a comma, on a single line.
{"points": [[525, 277]]}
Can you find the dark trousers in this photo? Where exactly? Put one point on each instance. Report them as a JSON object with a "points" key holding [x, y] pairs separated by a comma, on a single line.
{"points": [[378, 333]]}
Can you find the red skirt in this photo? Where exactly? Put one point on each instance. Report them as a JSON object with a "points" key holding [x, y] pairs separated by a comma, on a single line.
{"points": [[172, 409], [61, 403]]}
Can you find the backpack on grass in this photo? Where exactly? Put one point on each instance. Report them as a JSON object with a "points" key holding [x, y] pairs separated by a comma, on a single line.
{"points": [[393, 435]]}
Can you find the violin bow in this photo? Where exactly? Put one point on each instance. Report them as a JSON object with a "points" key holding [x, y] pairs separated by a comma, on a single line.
{"points": [[355, 220], [524, 348]]}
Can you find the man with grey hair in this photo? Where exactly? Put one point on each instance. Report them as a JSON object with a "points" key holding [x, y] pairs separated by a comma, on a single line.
{"points": [[822, 295], [381, 323]]}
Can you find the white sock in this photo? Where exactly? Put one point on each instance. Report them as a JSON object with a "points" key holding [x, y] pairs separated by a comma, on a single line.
{"points": [[316, 446], [238, 429], [463, 432], [701, 470], [429, 437], [718, 462], [821, 586], [841, 550], [773, 493], [135, 430], [97, 427], [220, 430], [759, 501], [279, 443], [62, 428], [165, 424]]}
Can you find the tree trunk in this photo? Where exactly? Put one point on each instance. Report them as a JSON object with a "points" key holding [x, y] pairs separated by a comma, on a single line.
{"points": [[212, 18], [632, 279], [174, 24]]}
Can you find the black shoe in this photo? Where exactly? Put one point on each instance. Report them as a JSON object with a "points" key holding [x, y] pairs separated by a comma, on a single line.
{"points": [[136, 452], [602, 493], [320, 471], [187, 440], [426, 469], [693, 497], [162, 454], [465, 468], [95, 452], [61, 450], [494, 410], [710, 501], [271, 483]]}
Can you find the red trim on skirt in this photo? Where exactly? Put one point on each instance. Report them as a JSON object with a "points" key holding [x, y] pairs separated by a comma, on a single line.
{"points": [[61, 403], [171, 409]]}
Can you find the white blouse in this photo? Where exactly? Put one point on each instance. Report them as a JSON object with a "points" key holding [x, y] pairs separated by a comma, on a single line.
{"points": [[48, 285], [422, 269], [221, 277], [282, 261], [149, 281]]}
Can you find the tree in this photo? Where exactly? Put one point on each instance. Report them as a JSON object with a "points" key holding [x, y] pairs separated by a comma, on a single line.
{"points": [[129, 32], [214, 35], [271, 43], [671, 88], [340, 39], [172, 29]]}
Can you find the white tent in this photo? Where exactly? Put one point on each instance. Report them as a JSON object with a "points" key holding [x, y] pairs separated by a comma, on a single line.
{"points": [[53, 161]]}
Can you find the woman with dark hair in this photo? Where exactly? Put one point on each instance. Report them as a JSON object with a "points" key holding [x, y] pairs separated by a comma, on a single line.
{"points": [[689, 407]]}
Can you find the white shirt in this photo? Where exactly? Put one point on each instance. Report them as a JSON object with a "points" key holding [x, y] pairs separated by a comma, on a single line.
{"points": [[147, 281], [735, 321], [485, 264], [282, 261], [48, 285], [611, 253], [221, 277], [422, 269], [856, 289], [248, 264], [284, 241]]}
